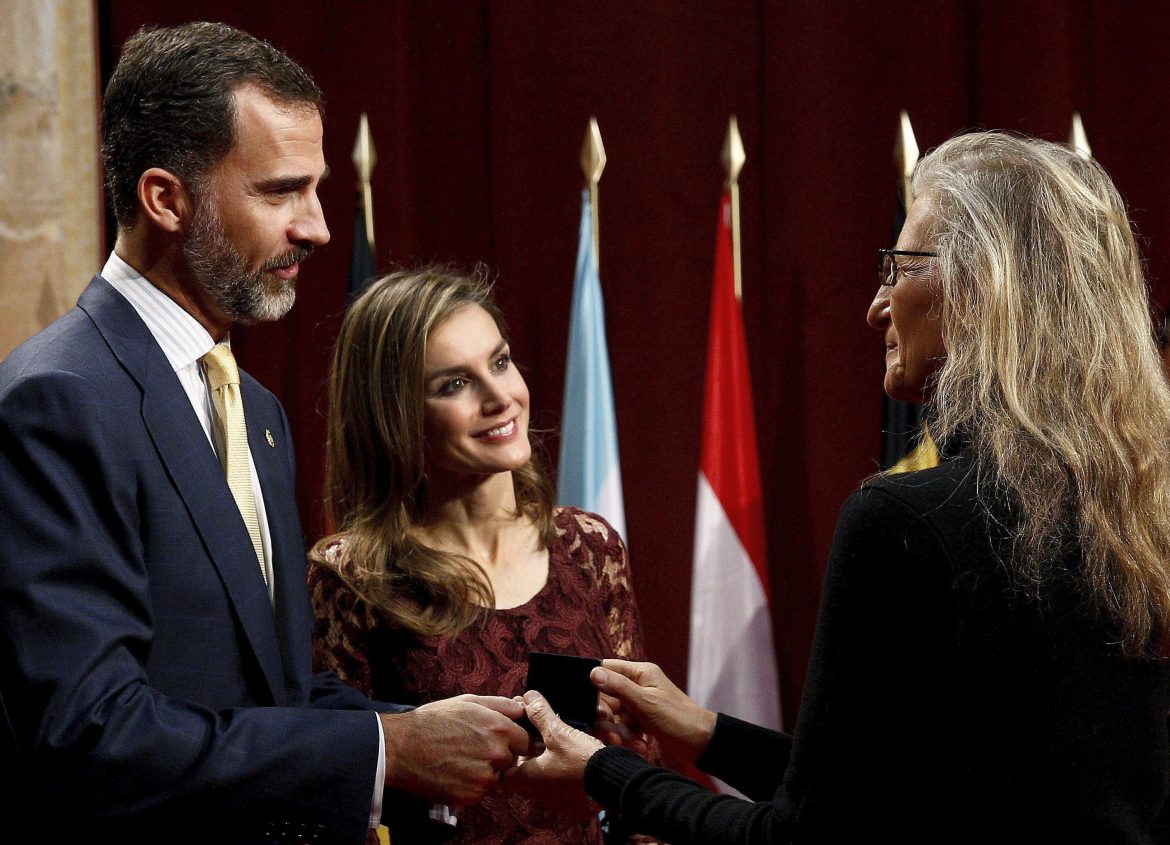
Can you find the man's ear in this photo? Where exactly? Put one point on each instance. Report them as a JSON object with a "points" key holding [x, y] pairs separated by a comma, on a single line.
{"points": [[164, 200]]}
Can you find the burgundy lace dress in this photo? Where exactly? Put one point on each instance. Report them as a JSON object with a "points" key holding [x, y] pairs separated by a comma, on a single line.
{"points": [[586, 608]]}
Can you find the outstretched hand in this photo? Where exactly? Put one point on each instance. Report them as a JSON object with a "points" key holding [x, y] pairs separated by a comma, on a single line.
{"points": [[452, 751], [639, 697], [555, 776]]}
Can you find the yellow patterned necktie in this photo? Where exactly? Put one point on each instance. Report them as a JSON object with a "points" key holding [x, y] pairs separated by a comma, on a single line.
{"points": [[224, 377]]}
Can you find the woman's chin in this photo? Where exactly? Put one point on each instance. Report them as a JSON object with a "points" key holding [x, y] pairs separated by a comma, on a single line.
{"points": [[903, 393]]}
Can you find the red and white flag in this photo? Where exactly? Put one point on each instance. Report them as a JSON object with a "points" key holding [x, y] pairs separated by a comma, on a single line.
{"points": [[732, 661]]}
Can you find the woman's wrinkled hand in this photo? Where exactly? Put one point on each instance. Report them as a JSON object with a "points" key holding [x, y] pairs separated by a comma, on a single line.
{"points": [[555, 776], [618, 725], [638, 699]]}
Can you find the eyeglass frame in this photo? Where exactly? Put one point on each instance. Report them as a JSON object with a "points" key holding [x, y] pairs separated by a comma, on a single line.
{"points": [[883, 254]]}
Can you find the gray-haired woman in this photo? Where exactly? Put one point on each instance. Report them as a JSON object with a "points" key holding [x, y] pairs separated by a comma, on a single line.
{"points": [[990, 662]]}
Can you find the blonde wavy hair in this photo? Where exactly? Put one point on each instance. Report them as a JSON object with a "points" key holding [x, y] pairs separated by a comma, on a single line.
{"points": [[1052, 372], [375, 467]]}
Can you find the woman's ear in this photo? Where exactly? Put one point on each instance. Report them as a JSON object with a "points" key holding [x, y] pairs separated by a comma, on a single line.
{"points": [[164, 200]]}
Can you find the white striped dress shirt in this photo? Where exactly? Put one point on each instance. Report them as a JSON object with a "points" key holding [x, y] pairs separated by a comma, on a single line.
{"points": [[184, 341]]}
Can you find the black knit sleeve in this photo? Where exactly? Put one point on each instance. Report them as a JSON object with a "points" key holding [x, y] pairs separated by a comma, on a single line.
{"points": [[847, 770], [675, 809], [748, 757]]}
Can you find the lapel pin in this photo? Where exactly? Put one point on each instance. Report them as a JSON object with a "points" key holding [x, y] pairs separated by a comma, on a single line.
{"points": [[270, 438]]}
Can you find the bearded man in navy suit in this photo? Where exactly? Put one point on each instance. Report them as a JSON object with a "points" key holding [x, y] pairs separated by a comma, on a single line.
{"points": [[155, 681]]}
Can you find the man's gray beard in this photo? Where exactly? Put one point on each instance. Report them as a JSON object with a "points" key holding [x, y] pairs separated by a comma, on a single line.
{"points": [[244, 295]]}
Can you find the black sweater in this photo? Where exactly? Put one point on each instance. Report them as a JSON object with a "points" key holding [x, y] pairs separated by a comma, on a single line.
{"points": [[941, 703]]}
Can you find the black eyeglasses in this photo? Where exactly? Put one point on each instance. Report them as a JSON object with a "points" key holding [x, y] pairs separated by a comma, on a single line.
{"points": [[888, 267]]}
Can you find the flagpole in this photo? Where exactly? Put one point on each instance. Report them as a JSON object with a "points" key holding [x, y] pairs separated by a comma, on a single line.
{"points": [[592, 163], [364, 159], [589, 469], [733, 158], [1077, 139], [906, 156], [731, 659]]}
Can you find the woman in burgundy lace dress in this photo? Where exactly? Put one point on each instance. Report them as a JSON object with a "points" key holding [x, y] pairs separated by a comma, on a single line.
{"points": [[450, 562]]}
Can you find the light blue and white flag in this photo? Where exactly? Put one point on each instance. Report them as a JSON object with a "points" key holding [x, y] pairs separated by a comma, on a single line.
{"points": [[588, 473]]}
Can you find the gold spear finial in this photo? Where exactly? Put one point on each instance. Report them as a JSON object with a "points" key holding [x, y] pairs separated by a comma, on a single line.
{"points": [[364, 159], [592, 153], [733, 158], [906, 156], [592, 163], [733, 155], [1077, 139]]}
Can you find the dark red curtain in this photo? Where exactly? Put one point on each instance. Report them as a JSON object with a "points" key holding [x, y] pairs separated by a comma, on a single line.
{"points": [[478, 111]]}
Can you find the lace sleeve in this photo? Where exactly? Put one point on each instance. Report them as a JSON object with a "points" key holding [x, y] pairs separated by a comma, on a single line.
{"points": [[342, 623], [616, 586]]}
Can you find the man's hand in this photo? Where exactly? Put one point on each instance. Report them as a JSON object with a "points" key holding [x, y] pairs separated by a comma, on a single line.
{"points": [[451, 751], [555, 777], [639, 697]]}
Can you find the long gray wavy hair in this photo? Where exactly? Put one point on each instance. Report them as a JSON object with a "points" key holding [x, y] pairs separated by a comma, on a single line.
{"points": [[1052, 371]]}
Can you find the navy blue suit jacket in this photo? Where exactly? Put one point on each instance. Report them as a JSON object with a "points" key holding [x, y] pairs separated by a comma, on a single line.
{"points": [[148, 689]]}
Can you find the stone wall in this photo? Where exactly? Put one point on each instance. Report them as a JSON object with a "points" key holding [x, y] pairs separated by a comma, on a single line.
{"points": [[50, 201]]}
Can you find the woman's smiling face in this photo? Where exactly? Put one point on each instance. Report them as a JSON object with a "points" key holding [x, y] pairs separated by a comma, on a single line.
{"points": [[475, 406]]}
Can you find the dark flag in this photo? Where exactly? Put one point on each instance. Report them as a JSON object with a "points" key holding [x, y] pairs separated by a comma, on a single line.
{"points": [[906, 444], [901, 421], [362, 267]]}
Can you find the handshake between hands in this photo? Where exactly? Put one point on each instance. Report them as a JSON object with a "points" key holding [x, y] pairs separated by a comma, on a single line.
{"points": [[453, 751]]}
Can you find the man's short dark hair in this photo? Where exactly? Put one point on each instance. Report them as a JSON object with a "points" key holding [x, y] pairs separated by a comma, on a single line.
{"points": [[170, 103]]}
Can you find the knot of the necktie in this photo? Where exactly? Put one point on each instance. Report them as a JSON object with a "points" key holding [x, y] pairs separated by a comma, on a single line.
{"points": [[221, 366]]}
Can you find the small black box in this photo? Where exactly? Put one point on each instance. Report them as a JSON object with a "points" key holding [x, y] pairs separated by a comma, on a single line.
{"points": [[563, 679]]}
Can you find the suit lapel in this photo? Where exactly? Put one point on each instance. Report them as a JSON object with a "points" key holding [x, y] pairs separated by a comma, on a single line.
{"points": [[193, 468], [270, 443]]}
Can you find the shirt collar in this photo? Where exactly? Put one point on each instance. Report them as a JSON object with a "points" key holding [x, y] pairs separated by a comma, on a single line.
{"points": [[182, 338]]}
